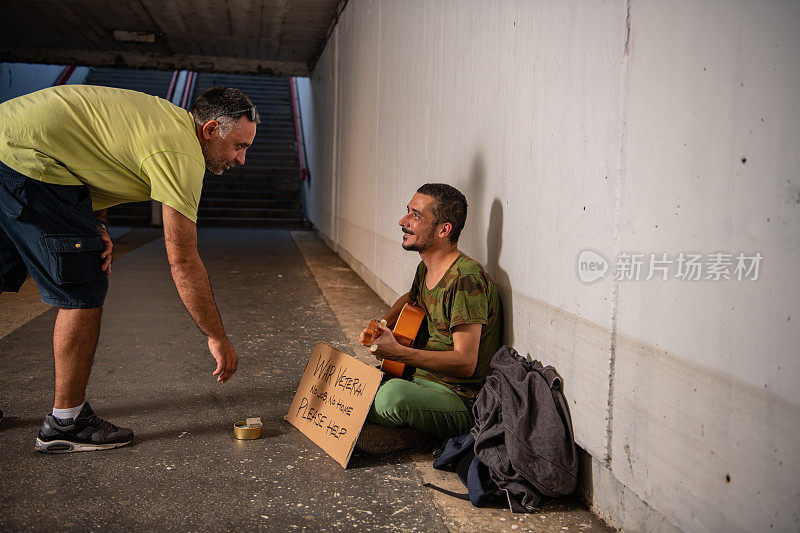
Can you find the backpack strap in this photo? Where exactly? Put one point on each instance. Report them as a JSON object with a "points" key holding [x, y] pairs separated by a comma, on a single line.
{"points": [[464, 496]]}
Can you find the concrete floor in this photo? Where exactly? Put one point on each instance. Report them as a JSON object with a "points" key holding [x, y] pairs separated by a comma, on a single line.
{"points": [[279, 294]]}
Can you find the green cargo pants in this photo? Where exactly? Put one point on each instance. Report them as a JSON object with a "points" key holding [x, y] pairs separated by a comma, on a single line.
{"points": [[421, 404]]}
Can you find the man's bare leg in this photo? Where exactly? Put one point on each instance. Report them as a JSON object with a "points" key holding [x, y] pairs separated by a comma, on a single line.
{"points": [[74, 343]]}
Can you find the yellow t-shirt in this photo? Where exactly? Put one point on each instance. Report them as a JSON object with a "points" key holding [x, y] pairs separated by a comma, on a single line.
{"points": [[125, 146]]}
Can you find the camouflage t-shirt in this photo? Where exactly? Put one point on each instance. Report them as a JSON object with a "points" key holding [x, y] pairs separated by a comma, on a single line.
{"points": [[464, 295]]}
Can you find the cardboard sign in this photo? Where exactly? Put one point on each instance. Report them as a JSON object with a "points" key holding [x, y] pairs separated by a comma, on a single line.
{"points": [[333, 400]]}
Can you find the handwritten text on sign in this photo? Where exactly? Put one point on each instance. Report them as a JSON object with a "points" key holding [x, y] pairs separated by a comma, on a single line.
{"points": [[333, 399]]}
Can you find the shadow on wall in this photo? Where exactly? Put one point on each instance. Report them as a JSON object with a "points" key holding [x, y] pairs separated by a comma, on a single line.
{"points": [[494, 245], [494, 239], [475, 192]]}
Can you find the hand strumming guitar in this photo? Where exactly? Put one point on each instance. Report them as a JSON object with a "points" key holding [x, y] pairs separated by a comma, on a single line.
{"points": [[392, 346], [388, 347]]}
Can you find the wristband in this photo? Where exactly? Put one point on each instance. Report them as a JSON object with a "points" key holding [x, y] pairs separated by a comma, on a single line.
{"points": [[103, 224]]}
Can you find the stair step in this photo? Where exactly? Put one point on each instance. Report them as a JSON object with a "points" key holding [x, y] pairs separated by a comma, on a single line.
{"points": [[272, 137], [250, 184], [267, 128], [277, 223], [234, 80], [273, 141], [248, 212], [235, 203], [286, 158], [271, 160], [287, 121], [120, 221], [132, 214], [252, 171], [235, 194], [255, 177], [272, 150], [261, 166], [243, 190], [155, 82]]}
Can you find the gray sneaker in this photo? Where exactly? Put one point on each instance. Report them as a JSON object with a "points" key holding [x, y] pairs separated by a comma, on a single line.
{"points": [[86, 432]]}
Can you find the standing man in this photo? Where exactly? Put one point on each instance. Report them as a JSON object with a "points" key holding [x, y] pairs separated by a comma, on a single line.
{"points": [[67, 154], [464, 322]]}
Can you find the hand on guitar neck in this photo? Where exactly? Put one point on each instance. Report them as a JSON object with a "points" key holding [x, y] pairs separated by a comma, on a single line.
{"points": [[379, 339], [385, 343]]}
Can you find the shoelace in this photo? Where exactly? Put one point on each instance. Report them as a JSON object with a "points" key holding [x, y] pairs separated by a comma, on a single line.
{"points": [[104, 426]]}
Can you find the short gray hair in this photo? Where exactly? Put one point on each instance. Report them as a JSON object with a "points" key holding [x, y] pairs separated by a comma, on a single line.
{"points": [[226, 105]]}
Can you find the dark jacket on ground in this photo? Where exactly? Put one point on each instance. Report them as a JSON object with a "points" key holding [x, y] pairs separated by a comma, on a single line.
{"points": [[523, 430]]}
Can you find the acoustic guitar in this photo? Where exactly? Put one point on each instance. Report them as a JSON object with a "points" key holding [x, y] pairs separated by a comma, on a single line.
{"points": [[405, 331]]}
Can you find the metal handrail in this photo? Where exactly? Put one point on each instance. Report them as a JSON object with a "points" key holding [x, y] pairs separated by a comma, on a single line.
{"points": [[65, 75], [172, 83], [188, 89], [299, 133]]}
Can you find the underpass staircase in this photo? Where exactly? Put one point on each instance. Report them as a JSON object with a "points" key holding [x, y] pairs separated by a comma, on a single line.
{"points": [[266, 191]]}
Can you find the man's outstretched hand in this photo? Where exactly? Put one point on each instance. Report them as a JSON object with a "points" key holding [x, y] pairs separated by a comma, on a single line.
{"points": [[225, 354]]}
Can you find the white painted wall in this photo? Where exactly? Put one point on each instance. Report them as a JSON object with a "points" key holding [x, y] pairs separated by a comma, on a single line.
{"points": [[617, 127]]}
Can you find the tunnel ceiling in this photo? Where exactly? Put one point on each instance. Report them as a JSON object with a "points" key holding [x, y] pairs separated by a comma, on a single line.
{"points": [[274, 37]]}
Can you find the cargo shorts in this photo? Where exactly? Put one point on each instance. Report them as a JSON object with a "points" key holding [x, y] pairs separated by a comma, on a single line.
{"points": [[49, 231]]}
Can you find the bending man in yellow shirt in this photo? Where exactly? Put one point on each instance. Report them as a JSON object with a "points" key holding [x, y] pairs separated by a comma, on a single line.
{"points": [[68, 153]]}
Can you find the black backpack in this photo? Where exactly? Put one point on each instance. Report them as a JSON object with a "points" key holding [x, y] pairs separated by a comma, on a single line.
{"points": [[458, 455]]}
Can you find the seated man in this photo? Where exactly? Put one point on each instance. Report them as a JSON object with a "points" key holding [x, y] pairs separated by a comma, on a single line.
{"points": [[464, 323]]}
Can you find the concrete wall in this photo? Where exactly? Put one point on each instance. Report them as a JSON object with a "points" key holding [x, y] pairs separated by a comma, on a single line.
{"points": [[17, 79], [638, 127]]}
